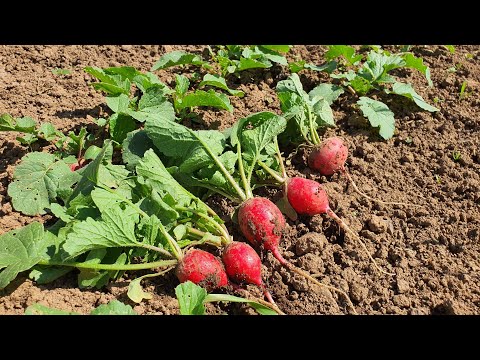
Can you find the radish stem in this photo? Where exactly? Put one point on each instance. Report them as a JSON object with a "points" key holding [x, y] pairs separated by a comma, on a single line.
{"points": [[113, 267]]}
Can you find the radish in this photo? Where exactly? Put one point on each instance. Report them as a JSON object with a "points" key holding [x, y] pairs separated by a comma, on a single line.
{"points": [[263, 224], [243, 265], [77, 165], [330, 156], [308, 197], [201, 267]]}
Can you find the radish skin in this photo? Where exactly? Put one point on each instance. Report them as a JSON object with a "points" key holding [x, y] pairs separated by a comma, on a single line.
{"points": [[202, 268], [243, 265]]}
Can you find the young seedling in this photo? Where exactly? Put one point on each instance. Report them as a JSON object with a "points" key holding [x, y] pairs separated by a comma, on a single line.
{"points": [[456, 155]]}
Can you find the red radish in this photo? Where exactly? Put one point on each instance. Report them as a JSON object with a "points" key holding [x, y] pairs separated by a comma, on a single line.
{"points": [[243, 265], [330, 156], [77, 165], [308, 197], [263, 224], [74, 166], [201, 267]]}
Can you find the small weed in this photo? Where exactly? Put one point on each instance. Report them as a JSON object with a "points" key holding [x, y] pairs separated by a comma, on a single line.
{"points": [[58, 71], [456, 155]]}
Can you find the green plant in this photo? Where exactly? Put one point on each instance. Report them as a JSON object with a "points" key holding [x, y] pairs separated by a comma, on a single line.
{"points": [[114, 307], [456, 155], [463, 92], [58, 71], [192, 299], [232, 59], [359, 78]]}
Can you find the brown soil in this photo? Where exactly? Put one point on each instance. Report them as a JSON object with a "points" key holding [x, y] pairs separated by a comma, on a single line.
{"points": [[433, 250]]}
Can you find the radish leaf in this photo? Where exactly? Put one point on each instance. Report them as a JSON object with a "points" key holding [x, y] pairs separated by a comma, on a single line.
{"points": [[219, 82], [408, 91], [379, 115], [38, 180], [21, 249]]}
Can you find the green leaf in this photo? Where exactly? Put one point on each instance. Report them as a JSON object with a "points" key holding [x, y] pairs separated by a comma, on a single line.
{"points": [[7, 122], [148, 80], [219, 82], [245, 64], [182, 84], [20, 250], [48, 131], [271, 55], [413, 62], [377, 66], [36, 181], [60, 212], [25, 124], [115, 229], [27, 139], [179, 142], [175, 58], [328, 67], [408, 91], [111, 84], [279, 48], [329, 92], [379, 115], [58, 71], [361, 85], [261, 309], [90, 176], [323, 113], [119, 103], [155, 173], [114, 307], [255, 132], [92, 152], [450, 48], [348, 52], [120, 126], [126, 72], [135, 291], [190, 298], [42, 274], [153, 105], [134, 146], [205, 98], [88, 278], [39, 309]]}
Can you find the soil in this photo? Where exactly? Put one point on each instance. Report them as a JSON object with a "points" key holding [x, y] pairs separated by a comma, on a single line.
{"points": [[433, 250]]}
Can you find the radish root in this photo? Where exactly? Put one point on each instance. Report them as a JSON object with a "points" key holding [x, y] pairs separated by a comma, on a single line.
{"points": [[347, 174], [345, 227], [306, 275]]}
